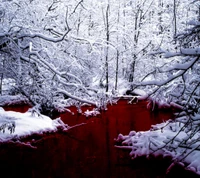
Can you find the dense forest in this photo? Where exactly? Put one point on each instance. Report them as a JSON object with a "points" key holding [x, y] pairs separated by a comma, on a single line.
{"points": [[63, 52]]}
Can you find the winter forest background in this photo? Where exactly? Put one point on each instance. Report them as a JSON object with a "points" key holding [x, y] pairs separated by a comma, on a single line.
{"points": [[62, 52]]}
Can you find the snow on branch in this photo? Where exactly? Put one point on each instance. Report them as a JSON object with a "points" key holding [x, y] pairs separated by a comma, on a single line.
{"points": [[75, 97], [173, 74], [47, 38], [183, 52], [183, 66], [161, 83], [49, 66]]}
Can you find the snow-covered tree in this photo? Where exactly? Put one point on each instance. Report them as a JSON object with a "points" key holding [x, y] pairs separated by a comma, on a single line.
{"points": [[176, 79], [34, 54], [55, 51]]}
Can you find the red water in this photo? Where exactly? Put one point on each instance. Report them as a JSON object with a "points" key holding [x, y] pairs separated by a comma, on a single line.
{"points": [[17, 108], [87, 151]]}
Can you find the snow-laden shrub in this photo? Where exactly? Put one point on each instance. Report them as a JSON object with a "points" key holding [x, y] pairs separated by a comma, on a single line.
{"points": [[178, 139]]}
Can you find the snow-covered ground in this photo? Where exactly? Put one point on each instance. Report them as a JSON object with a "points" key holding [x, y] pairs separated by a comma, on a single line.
{"points": [[15, 125], [179, 139]]}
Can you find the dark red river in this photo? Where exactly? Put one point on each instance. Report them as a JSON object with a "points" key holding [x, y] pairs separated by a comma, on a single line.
{"points": [[87, 150]]}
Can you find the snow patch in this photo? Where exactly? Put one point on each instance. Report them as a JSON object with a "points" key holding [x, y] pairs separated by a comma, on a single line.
{"points": [[11, 100], [171, 138], [26, 124]]}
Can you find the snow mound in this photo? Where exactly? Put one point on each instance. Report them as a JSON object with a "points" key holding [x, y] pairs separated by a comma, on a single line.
{"points": [[17, 125], [179, 139], [12, 100]]}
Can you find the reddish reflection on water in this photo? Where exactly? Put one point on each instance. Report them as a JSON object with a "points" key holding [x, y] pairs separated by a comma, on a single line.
{"points": [[87, 150], [18, 108]]}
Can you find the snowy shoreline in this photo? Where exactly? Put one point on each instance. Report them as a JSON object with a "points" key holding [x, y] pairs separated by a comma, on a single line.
{"points": [[15, 125], [168, 139]]}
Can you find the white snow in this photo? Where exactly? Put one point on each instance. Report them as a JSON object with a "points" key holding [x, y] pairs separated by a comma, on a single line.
{"points": [[142, 95], [93, 112], [183, 52], [193, 22], [9, 100], [26, 124], [172, 138]]}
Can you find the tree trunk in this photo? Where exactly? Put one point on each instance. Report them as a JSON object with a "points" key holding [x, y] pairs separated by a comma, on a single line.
{"points": [[132, 68], [1, 83], [138, 21], [117, 57], [107, 47], [117, 70], [175, 21]]}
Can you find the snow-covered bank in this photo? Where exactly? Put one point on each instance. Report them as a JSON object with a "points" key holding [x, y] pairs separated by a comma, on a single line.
{"points": [[179, 139], [7, 100], [18, 125]]}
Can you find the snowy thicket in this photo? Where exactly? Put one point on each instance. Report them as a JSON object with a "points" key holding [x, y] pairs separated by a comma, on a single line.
{"points": [[178, 81], [59, 52]]}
